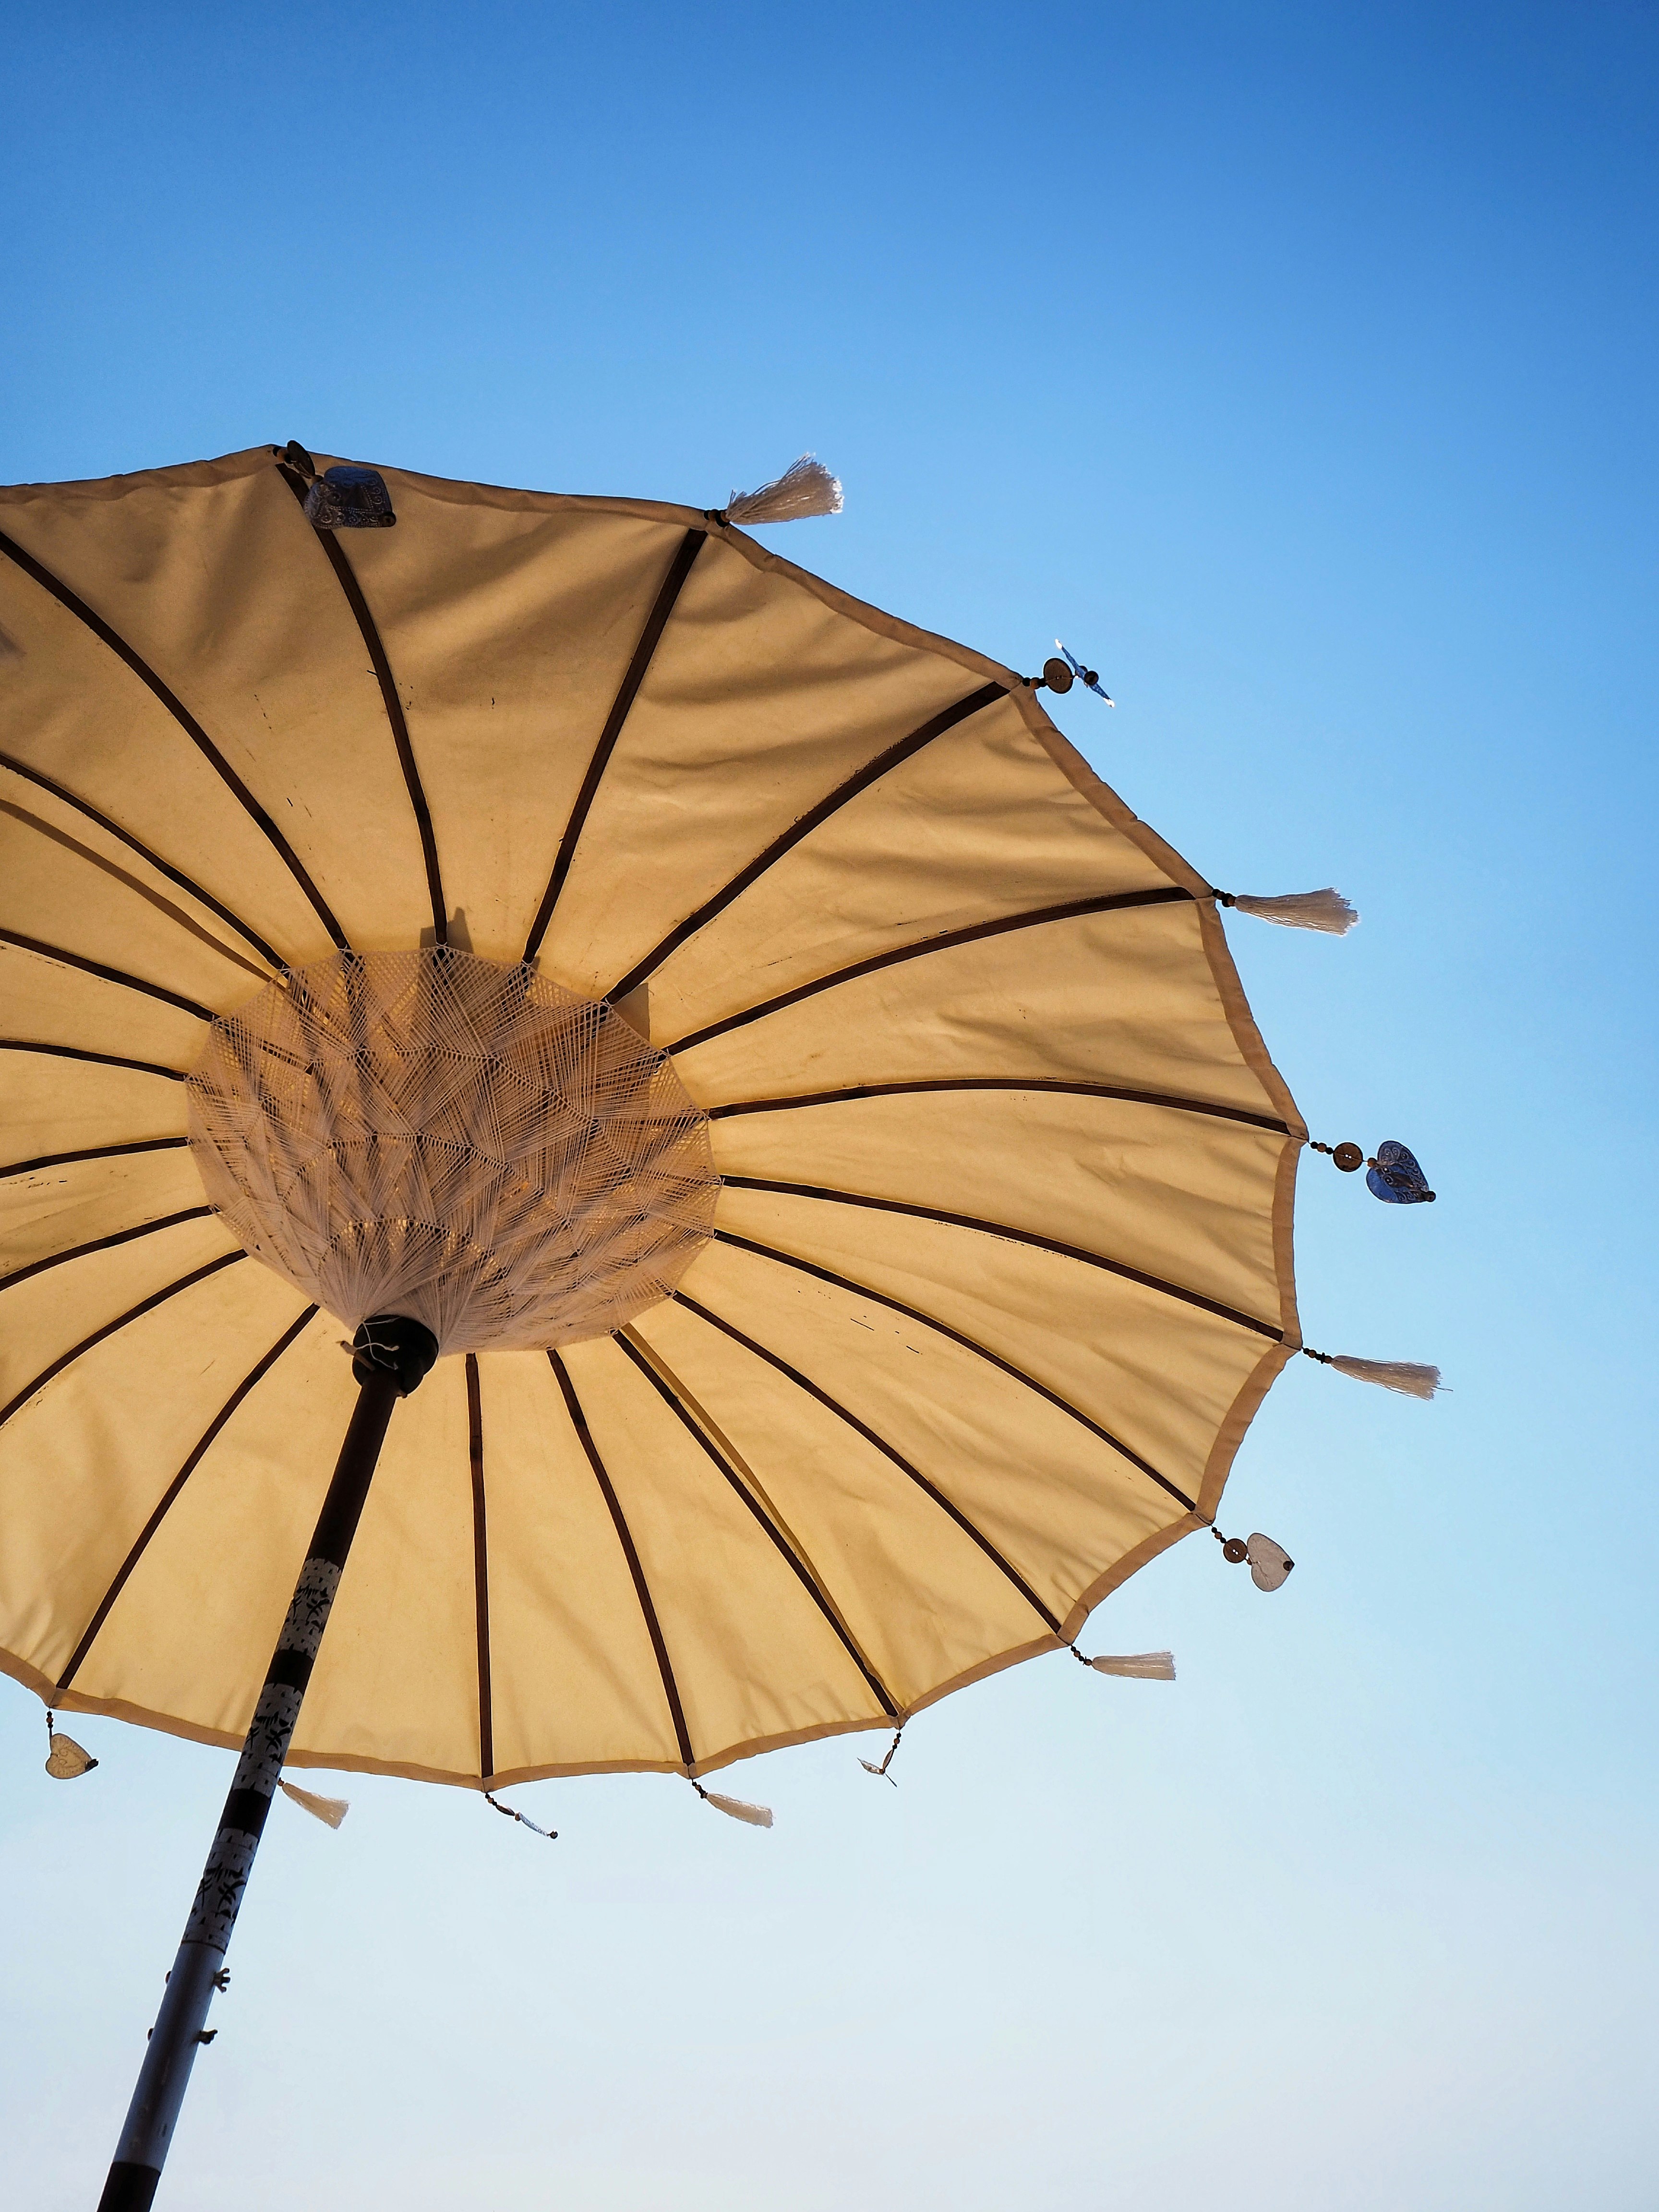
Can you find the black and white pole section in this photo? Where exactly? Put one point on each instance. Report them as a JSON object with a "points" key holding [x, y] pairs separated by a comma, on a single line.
{"points": [[390, 1356]]}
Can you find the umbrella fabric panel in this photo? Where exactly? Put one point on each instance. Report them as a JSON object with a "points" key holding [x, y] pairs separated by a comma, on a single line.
{"points": [[1158, 1377], [226, 591], [1058, 1504], [396, 1684], [573, 1681], [48, 1314], [508, 629], [61, 818], [84, 1464], [1123, 998], [58, 1209], [979, 825], [750, 1652], [49, 1106], [1180, 1196], [924, 1600], [58, 889], [758, 701], [48, 1003], [191, 1627], [72, 709]]}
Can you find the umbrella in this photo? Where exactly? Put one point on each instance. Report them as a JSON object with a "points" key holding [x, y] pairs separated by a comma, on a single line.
{"points": [[799, 1136]]}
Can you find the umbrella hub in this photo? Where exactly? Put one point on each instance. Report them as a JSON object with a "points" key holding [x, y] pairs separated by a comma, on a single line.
{"points": [[467, 1143]]}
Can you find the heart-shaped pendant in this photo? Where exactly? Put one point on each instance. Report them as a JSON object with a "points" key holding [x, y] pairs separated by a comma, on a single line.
{"points": [[66, 1759], [1269, 1562], [1395, 1177]]}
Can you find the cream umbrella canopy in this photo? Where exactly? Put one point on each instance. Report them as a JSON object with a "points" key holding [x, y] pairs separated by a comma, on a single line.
{"points": [[817, 1127]]}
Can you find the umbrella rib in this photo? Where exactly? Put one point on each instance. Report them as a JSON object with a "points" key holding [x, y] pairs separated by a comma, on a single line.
{"points": [[887, 1450], [815, 816], [967, 1344], [1000, 1083], [1012, 1236], [174, 876], [102, 1244], [66, 959], [641, 1589], [348, 583], [95, 1152], [679, 569], [133, 1313], [1070, 910], [97, 1059], [187, 721], [261, 1368], [480, 1570], [803, 1572], [176, 914]]}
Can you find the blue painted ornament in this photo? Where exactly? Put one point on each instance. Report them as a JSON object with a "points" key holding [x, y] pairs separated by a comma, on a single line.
{"points": [[1395, 1176], [1059, 681]]}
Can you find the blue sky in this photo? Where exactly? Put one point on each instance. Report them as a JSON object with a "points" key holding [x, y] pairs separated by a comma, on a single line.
{"points": [[1296, 365]]}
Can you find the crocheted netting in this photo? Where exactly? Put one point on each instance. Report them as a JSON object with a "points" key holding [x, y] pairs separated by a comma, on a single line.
{"points": [[469, 1143]]}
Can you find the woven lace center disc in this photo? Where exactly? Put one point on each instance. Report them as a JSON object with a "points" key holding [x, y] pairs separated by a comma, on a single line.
{"points": [[432, 1134]]}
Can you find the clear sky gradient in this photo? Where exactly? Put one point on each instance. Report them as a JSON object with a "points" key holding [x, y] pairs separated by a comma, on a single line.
{"points": [[1296, 365]]}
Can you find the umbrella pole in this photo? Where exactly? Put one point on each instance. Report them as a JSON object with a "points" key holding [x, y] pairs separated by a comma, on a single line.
{"points": [[391, 1355]]}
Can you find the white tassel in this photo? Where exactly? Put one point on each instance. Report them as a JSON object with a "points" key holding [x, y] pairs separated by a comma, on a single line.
{"points": [[333, 1810], [1327, 911], [1406, 1376], [805, 488], [758, 1816], [1140, 1666]]}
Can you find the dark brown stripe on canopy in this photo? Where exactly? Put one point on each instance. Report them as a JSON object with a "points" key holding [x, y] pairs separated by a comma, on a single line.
{"points": [[804, 1572], [174, 876], [998, 1082], [679, 569], [859, 781], [96, 1058], [480, 1570], [346, 575], [105, 975], [888, 1451], [955, 1336], [95, 1152], [110, 1329], [1013, 1236], [1033, 918], [187, 721], [653, 1627], [261, 1367], [134, 885], [102, 1244]]}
